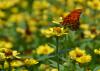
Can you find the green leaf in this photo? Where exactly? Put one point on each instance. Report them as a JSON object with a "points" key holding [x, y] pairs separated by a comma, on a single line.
{"points": [[44, 57], [54, 64], [97, 68], [78, 68]]}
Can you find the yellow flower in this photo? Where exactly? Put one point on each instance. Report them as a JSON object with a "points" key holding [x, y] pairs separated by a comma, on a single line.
{"points": [[16, 18], [40, 4], [20, 30], [80, 1], [98, 32], [6, 64], [79, 55], [95, 4], [97, 51], [15, 53], [79, 7], [26, 33], [58, 31], [55, 31], [98, 70], [8, 3], [24, 4], [76, 53], [2, 22], [57, 20], [14, 10], [30, 61], [56, 11], [84, 26], [84, 59], [65, 14], [24, 70], [54, 69], [44, 49], [70, 4], [6, 44], [11, 53], [87, 12], [16, 63], [43, 66], [47, 32], [2, 56], [88, 34], [2, 14], [32, 25]]}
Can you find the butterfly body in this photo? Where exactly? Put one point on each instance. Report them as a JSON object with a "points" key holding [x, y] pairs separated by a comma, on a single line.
{"points": [[72, 19]]}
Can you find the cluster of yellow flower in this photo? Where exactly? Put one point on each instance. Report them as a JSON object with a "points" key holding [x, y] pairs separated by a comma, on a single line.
{"points": [[29, 22], [11, 57], [87, 32]]}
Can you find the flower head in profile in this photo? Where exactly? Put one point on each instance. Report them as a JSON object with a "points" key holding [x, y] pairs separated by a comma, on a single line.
{"points": [[30, 61], [45, 49], [16, 63], [54, 31], [57, 20], [11, 53], [79, 55]]}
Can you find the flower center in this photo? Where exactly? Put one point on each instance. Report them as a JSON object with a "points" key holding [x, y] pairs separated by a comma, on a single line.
{"points": [[95, 4], [79, 55], [57, 29]]}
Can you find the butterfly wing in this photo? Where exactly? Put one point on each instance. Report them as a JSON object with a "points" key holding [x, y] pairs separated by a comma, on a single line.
{"points": [[72, 19]]}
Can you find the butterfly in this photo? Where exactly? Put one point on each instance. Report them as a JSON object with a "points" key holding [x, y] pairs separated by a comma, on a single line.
{"points": [[72, 20]]}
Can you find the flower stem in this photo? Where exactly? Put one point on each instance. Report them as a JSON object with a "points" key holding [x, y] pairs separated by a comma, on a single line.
{"points": [[9, 67], [3, 66], [57, 52]]}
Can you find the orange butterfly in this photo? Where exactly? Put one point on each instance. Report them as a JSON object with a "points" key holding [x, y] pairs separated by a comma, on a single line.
{"points": [[72, 19]]}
